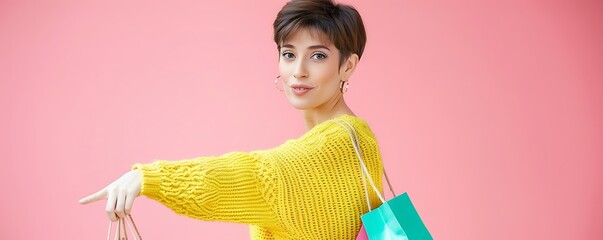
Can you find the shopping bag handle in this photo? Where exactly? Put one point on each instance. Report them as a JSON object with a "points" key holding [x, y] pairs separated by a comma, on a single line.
{"points": [[120, 229], [365, 173]]}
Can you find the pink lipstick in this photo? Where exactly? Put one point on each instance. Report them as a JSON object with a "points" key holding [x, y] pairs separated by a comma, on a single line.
{"points": [[300, 89]]}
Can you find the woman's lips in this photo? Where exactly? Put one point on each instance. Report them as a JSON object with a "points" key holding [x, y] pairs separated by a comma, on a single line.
{"points": [[300, 89]]}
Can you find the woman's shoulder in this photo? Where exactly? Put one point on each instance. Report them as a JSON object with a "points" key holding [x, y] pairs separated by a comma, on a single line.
{"points": [[338, 127], [340, 122], [330, 133]]}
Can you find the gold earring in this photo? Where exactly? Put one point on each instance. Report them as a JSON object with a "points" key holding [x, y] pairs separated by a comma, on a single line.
{"points": [[276, 84], [343, 86]]}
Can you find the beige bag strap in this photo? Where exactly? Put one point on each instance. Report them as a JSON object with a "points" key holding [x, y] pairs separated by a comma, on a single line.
{"points": [[365, 174], [120, 229], [389, 185]]}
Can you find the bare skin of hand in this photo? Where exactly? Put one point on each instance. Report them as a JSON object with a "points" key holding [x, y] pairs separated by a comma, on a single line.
{"points": [[120, 195]]}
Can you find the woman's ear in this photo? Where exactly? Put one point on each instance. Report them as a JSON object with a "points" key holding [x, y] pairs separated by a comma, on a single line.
{"points": [[348, 67]]}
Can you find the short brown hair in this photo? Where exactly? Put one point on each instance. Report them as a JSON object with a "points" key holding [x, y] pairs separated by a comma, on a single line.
{"points": [[341, 24]]}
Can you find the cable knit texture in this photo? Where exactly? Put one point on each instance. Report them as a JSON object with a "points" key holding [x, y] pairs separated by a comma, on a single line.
{"points": [[306, 188]]}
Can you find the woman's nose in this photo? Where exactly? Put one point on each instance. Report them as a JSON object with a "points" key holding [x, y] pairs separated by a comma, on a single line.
{"points": [[300, 70]]}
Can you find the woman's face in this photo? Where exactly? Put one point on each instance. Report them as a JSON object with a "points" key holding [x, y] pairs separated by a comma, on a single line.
{"points": [[310, 71]]}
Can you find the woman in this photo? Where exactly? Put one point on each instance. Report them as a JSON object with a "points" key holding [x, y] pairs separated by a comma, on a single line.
{"points": [[307, 188]]}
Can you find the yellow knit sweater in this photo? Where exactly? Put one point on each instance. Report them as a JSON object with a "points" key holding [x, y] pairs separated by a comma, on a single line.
{"points": [[307, 188]]}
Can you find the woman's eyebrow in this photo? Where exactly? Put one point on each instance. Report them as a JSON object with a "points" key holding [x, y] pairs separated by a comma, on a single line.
{"points": [[319, 46], [310, 47]]}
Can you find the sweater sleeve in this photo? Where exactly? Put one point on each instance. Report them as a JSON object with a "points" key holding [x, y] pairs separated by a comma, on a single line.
{"points": [[234, 187], [306, 188]]}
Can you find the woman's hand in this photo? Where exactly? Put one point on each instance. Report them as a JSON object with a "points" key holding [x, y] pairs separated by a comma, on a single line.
{"points": [[120, 195]]}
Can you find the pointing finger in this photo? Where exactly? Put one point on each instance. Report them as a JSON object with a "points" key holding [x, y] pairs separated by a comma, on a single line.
{"points": [[94, 197]]}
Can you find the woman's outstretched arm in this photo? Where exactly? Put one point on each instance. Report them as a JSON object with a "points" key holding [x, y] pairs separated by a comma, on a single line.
{"points": [[234, 187]]}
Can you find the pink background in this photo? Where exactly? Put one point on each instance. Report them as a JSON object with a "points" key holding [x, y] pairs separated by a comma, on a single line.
{"points": [[488, 113]]}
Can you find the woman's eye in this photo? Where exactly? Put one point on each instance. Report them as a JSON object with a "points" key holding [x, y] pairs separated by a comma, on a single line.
{"points": [[319, 56], [288, 55]]}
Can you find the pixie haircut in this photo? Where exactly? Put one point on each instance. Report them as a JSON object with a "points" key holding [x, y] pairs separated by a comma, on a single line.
{"points": [[340, 24]]}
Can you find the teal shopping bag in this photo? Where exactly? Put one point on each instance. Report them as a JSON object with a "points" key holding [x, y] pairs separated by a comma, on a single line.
{"points": [[395, 219]]}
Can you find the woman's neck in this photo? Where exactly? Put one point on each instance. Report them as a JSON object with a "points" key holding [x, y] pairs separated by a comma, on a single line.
{"points": [[325, 112]]}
